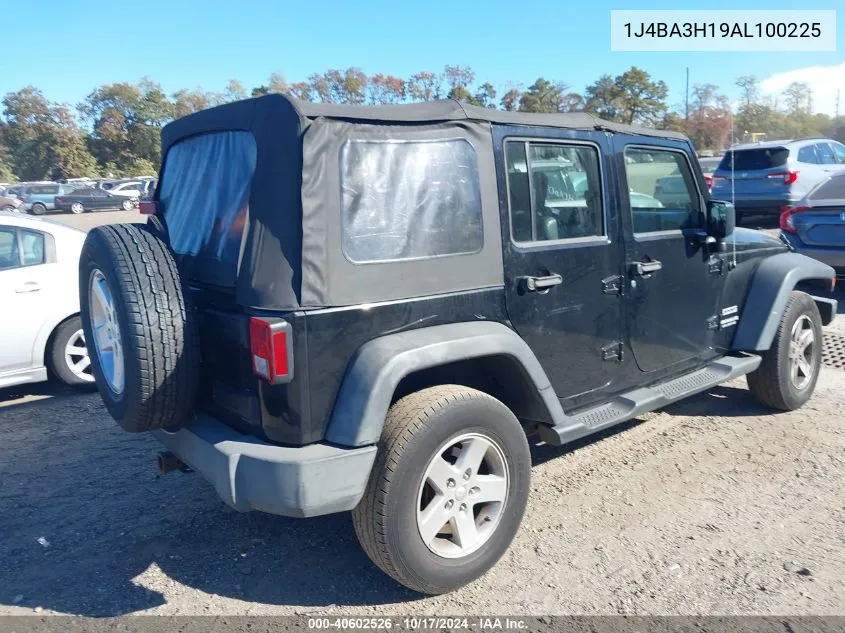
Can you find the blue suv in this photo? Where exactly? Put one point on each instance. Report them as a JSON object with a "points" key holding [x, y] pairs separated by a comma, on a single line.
{"points": [[766, 178]]}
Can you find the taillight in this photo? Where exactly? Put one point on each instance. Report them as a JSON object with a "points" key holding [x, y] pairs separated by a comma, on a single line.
{"points": [[716, 180], [58, 200], [148, 207], [271, 350], [22, 198], [787, 223], [788, 176], [708, 180]]}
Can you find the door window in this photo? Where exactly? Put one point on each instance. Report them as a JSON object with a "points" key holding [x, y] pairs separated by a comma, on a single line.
{"points": [[32, 248], [554, 191], [825, 154], [662, 191], [9, 255]]}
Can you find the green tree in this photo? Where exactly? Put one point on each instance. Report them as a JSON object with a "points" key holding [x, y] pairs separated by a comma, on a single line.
{"points": [[42, 139], [544, 96], [750, 87], [485, 96], [640, 100], [603, 98], [234, 91], [798, 97]]}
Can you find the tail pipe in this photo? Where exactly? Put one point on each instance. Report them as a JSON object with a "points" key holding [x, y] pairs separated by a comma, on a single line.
{"points": [[168, 462]]}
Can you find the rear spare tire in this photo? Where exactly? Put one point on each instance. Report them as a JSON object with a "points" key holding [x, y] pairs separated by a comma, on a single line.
{"points": [[139, 327]]}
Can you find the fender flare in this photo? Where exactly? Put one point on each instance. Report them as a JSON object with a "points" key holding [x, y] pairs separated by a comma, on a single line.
{"points": [[775, 278], [380, 364]]}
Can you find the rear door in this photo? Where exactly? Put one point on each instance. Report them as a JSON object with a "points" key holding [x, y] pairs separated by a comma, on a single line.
{"points": [[673, 283], [562, 255]]}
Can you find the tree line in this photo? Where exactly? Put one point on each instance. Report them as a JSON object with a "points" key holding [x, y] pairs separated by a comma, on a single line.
{"points": [[115, 131]]}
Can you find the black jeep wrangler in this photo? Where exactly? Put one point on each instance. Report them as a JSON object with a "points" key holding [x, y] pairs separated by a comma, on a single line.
{"points": [[373, 309]]}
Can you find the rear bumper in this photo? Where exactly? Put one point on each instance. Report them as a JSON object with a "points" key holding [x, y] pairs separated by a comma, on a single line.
{"points": [[250, 474], [757, 206], [834, 256]]}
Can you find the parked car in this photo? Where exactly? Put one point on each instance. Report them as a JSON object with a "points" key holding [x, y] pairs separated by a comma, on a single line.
{"points": [[40, 330], [129, 189], [708, 166], [93, 199], [767, 178], [39, 199], [9, 203], [816, 225], [373, 309]]}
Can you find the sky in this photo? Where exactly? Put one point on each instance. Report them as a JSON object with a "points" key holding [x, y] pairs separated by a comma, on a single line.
{"points": [[68, 48]]}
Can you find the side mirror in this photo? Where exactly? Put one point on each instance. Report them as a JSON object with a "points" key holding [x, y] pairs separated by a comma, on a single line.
{"points": [[721, 219]]}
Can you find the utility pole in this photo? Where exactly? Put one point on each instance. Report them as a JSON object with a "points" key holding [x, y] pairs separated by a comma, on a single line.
{"points": [[686, 98], [838, 91]]}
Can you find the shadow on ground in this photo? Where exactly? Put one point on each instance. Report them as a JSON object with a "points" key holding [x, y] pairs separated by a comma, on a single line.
{"points": [[111, 522]]}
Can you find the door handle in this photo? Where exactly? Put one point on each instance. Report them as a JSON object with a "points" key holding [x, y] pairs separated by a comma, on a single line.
{"points": [[539, 284], [645, 268], [28, 286]]}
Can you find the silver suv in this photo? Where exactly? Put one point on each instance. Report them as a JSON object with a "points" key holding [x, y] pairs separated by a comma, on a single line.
{"points": [[766, 178]]}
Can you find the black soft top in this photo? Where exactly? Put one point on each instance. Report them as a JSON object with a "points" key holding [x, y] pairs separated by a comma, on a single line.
{"points": [[291, 255], [281, 109]]}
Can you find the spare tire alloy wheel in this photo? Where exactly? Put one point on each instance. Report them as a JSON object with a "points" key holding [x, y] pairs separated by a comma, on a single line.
{"points": [[106, 329], [140, 328]]}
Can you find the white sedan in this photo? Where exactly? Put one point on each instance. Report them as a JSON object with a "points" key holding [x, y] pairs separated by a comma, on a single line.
{"points": [[40, 328]]}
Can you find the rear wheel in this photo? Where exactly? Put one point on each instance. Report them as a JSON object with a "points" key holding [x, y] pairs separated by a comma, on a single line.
{"points": [[77, 208], [38, 209], [68, 355], [448, 489], [7, 208], [139, 326], [790, 368], [127, 205]]}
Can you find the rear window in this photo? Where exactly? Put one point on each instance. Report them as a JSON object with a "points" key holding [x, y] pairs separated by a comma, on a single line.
{"points": [[409, 200], [833, 189], [205, 195], [750, 159]]}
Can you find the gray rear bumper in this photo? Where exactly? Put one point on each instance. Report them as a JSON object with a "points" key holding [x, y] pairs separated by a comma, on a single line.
{"points": [[250, 474]]}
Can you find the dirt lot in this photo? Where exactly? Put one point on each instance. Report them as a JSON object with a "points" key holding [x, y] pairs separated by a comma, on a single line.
{"points": [[712, 506]]}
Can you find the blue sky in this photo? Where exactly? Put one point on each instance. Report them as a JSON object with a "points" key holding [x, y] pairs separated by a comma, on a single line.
{"points": [[68, 48]]}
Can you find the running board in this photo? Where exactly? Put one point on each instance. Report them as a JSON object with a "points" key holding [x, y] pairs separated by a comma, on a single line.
{"points": [[639, 401]]}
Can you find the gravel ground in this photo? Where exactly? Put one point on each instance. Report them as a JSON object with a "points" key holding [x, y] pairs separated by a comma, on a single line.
{"points": [[711, 506]]}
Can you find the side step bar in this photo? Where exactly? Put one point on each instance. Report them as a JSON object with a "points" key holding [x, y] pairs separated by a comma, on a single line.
{"points": [[639, 401]]}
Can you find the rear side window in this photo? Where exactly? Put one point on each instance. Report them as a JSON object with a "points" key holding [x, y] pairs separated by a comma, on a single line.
{"points": [[808, 155], [833, 189], [205, 194], [751, 159], [32, 247], [409, 200], [44, 190], [839, 152]]}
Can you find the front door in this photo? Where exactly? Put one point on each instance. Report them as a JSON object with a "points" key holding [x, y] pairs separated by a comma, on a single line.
{"points": [[562, 257], [674, 281]]}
